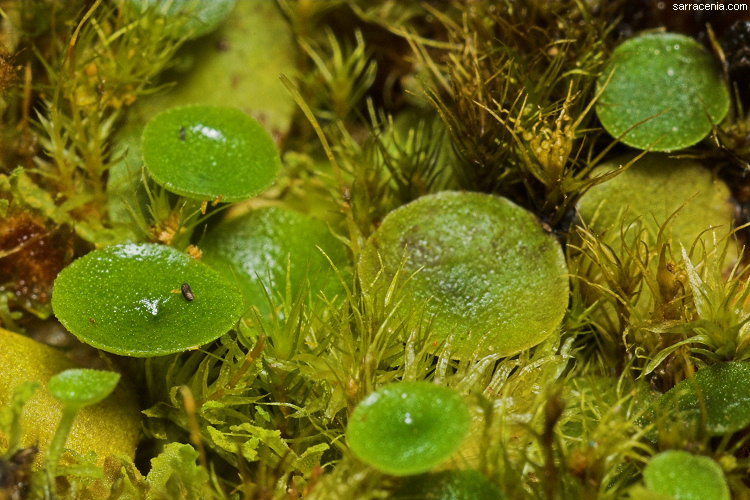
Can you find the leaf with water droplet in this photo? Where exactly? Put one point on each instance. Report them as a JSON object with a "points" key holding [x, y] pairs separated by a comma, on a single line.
{"points": [[664, 73], [209, 153], [126, 299], [489, 274], [408, 427]]}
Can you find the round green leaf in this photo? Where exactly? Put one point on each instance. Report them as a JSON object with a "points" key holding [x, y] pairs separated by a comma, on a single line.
{"points": [[199, 16], [81, 387], [684, 476], [209, 152], [664, 185], [489, 273], [253, 250], [408, 427], [128, 299], [661, 72], [724, 389], [448, 485]]}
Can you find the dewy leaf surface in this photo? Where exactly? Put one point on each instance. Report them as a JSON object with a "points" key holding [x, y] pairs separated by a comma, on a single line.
{"points": [[254, 247], [724, 389], [127, 299], [661, 72], [685, 476], [408, 427], [494, 279], [209, 152]]}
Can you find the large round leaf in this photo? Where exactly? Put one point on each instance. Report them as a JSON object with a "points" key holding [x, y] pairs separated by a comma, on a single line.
{"points": [[408, 427], [253, 250], [209, 152], [661, 72], [684, 476], [129, 300], [488, 272], [664, 185], [722, 389]]}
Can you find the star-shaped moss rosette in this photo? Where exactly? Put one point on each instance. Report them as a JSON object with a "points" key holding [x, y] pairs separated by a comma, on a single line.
{"points": [[144, 300], [663, 74], [487, 271], [209, 153], [408, 427], [253, 250]]}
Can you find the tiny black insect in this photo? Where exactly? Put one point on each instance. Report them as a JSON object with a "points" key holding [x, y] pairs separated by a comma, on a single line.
{"points": [[187, 292], [182, 134]]}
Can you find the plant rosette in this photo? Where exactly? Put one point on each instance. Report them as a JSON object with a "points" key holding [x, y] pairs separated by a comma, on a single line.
{"points": [[209, 153], [408, 428], [473, 260], [130, 300]]}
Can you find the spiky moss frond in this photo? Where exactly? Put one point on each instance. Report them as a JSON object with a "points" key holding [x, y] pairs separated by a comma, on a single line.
{"points": [[515, 86], [91, 84]]}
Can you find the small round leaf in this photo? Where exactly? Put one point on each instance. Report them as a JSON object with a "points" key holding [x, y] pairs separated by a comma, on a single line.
{"points": [[725, 392], [111, 427], [408, 427], [128, 299], [254, 247], [209, 152], [81, 387], [661, 72], [238, 65], [685, 476], [484, 266]]}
